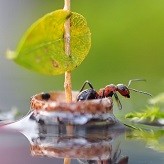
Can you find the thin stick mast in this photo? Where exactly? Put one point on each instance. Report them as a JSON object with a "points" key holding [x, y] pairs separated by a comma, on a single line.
{"points": [[67, 83]]}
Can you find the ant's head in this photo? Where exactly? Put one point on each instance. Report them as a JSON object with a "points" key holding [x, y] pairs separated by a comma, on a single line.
{"points": [[123, 90]]}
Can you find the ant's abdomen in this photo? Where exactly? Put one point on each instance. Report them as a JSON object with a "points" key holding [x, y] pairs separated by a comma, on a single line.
{"points": [[87, 94]]}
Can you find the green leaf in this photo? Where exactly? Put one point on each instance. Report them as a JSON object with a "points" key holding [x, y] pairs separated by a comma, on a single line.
{"points": [[41, 49], [152, 116]]}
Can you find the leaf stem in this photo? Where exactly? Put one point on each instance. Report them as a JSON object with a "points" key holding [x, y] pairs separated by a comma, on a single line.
{"points": [[67, 82], [67, 160], [67, 4], [68, 86]]}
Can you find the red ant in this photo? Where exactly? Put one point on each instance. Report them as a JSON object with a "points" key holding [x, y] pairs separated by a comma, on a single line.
{"points": [[108, 91]]}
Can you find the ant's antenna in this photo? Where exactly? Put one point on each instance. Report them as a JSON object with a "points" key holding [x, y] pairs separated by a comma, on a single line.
{"points": [[146, 93], [133, 80], [130, 81], [118, 101]]}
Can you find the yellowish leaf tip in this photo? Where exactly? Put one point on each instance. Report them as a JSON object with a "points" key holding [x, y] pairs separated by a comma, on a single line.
{"points": [[11, 55]]}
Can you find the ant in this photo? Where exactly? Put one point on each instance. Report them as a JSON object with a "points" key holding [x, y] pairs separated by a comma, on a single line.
{"points": [[109, 91]]}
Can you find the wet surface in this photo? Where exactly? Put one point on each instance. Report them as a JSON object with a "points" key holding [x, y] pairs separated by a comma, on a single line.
{"points": [[15, 149], [27, 141]]}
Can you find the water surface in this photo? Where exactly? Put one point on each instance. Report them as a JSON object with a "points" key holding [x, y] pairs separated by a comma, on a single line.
{"points": [[27, 141]]}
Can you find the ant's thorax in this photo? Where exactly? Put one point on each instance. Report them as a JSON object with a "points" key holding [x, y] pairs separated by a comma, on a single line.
{"points": [[107, 91]]}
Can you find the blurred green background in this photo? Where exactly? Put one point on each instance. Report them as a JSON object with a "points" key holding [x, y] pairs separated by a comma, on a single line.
{"points": [[127, 43]]}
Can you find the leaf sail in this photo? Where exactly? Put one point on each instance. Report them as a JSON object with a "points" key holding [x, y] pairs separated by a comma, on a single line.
{"points": [[42, 47]]}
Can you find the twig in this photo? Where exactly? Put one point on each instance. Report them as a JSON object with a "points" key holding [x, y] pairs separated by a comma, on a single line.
{"points": [[67, 160], [68, 86], [67, 83], [67, 4]]}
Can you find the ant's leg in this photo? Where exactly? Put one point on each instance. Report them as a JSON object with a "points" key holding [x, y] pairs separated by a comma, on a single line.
{"points": [[103, 95], [118, 101], [117, 153], [130, 81], [85, 83]]}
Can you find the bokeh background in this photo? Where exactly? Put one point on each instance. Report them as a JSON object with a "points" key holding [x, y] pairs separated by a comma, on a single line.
{"points": [[127, 43]]}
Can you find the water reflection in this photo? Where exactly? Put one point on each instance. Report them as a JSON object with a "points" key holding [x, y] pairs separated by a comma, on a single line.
{"points": [[88, 144], [154, 139], [88, 149]]}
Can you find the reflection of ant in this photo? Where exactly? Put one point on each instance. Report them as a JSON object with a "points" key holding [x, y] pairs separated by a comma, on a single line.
{"points": [[108, 91], [115, 158]]}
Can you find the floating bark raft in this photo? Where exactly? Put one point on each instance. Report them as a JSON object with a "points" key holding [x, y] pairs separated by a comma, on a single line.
{"points": [[51, 107]]}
